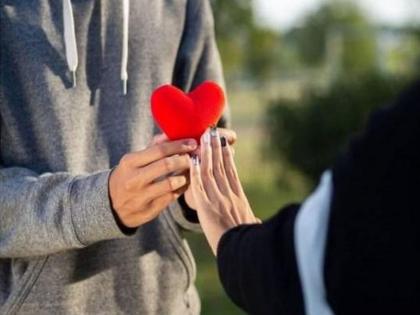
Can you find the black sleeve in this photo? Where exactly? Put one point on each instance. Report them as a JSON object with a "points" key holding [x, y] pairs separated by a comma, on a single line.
{"points": [[372, 255], [257, 266]]}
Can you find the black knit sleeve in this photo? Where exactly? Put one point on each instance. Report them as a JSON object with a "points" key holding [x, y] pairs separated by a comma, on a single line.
{"points": [[257, 266]]}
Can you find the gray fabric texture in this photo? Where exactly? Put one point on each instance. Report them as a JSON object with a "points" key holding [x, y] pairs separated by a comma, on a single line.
{"points": [[61, 251]]}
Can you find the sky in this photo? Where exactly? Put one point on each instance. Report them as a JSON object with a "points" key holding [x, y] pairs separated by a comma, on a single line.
{"points": [[284, 14]]}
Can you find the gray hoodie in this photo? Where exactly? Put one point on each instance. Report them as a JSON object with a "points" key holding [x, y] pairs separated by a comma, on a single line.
{"points": [[61, 251]]}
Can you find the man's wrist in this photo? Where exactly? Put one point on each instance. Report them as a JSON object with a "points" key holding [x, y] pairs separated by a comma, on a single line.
{"points": [[124, 229]]}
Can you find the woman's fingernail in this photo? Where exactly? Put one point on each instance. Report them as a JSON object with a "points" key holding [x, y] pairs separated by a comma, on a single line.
{"points": [[195, 160], [206, 137], [223, 141], [214, 132]]}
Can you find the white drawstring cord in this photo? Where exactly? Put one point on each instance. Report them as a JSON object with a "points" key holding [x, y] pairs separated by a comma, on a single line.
{"points": [[124, 58], [71, 44], [70, 39]]}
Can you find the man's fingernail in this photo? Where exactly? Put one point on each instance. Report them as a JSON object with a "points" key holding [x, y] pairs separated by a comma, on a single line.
{"points": [[214, 132], [223, 141], [191, 143], [206, 137]]}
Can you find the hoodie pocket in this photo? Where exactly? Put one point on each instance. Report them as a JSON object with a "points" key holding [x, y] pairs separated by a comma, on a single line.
{"points": [[23, 287]]}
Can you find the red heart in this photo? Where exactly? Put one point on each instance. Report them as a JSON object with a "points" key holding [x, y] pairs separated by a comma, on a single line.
{"points": [[181, 115]]}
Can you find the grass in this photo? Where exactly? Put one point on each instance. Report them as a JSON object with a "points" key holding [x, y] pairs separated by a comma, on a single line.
{"points": [[268, 185]]}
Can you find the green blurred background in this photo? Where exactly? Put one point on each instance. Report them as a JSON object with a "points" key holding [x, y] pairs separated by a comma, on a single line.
{"points": [[299, 90]]}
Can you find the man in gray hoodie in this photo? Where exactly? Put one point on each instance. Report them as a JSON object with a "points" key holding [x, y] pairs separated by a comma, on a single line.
{"points": [[75, 83]]}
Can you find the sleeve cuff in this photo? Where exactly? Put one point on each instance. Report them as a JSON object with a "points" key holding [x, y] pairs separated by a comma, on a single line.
{"points": [[186, 218], [92, 215]]}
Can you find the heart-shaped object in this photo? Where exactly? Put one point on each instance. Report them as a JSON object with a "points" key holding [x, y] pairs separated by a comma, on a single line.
{"points": [[181, 115]]}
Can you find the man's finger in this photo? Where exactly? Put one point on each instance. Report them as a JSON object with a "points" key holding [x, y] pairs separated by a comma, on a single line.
{"points": [[169, 165], [163, 187], [153, 210], [159, 139], [158, 152]]}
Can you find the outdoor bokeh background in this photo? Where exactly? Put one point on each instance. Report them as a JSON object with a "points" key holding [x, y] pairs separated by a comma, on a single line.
{"points": [[302, 77]]}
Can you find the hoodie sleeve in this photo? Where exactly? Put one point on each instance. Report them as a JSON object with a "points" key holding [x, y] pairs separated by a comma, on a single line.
{"points": [[198, 60], [48, 213]]}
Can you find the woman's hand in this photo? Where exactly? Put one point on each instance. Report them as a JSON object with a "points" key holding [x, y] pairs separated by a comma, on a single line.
{"points": [[231, 137], [217, 192]]}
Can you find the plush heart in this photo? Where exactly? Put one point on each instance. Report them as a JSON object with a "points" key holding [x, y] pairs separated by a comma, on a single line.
{"points": [[181, 115]]}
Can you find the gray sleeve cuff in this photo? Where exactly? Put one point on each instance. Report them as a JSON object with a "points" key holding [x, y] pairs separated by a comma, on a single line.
{"points": [[92, 216]]}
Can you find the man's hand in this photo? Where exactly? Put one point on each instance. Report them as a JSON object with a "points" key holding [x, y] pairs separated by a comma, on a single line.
{"points": [[143, 184]]}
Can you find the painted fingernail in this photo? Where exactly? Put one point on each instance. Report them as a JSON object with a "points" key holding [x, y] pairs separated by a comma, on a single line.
{"points": [[223, 141], [214, 132], [206, 138], [195, 160]]}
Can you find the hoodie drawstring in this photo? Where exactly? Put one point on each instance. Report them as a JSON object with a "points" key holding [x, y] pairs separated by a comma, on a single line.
{"points": [[124, 57], [71, 44], [70, 39]]}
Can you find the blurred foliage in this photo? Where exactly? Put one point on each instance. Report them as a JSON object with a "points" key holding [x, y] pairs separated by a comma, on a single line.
{"points": [[338, 24], [405, 59], [248, 51], [308, 134], [233, 21], [262, 56], [366, 68]]}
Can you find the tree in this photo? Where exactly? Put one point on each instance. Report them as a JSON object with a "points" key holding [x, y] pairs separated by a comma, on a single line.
{"points": [[248, 50], [234, 20], [310, 134], [263, 54]]}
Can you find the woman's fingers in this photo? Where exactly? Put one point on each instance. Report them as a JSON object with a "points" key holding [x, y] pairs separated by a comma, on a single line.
{"points": [[207, 176], [198, 192], [201, 199], [229, 135], [217, 162], [230, 169]]}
